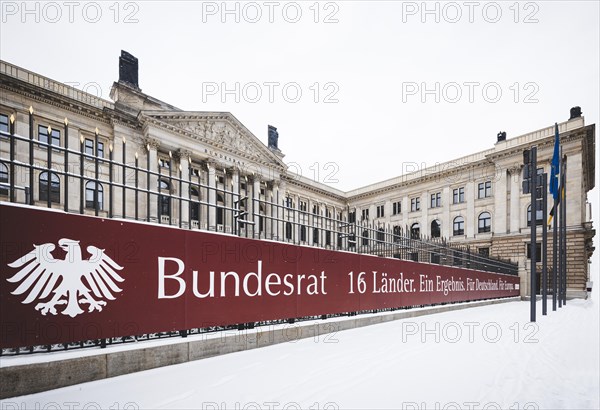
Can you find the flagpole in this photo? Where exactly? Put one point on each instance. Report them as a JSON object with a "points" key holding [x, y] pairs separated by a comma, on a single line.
{"points": [[533, 253], [555, 254], [544, 284], [564, 228]]}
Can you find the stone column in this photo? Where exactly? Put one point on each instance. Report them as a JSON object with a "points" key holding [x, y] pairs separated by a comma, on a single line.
{"points": [[446, 221], [515, 199], [212, 197], [310, 220], [405, 211], [152, 152], [500, 199], [184, 157], [425, 228], [256, 204], [235, 188], [470, 218]]}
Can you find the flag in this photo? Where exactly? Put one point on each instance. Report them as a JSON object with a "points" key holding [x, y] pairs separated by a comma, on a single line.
{"points": [[555, 165], [555, 206]]}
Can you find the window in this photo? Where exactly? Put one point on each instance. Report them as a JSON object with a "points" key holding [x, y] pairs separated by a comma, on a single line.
{"points": [[380, 211], [90, 189], [526, 172], [3, 179], [196, 173], [458, 195], [316, 210], [414, 256], [459, 226], [4, 123], [485, 222], [194, 205], [89, 148], [435, 258], [327, 237], [43, 135], [381, 234], [484, 252], [436, 200], [303, 233], [289, 203], [165, 163], [538, 251], [49, 188], [352, 217], [415, 231], [456, 258], [164, 201], [397, 207], [539, 216], [484, 189], [365, 214], [288, 230], [316, 236], [435, 229], [415, 204], [303, 206], [365, 238], [327, 213], [397, 230]]}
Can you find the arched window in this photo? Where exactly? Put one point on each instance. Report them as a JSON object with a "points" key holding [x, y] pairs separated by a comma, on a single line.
{"points": [[49, 187], [539, 216], [484, 222], [415, 231], [435, 229], [3, 179], [303, 233], [90, 190], [458, 226], [316, 236], [194, 204], [288, 230], [164, 201]]}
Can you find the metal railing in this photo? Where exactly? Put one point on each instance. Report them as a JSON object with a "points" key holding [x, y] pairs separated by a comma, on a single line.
{"points": [[92, 184], [41, 174]]}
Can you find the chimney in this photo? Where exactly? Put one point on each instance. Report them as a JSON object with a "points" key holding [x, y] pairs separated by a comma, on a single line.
{"points": [[273, 137], [128, 69], [501, 136], [575, 112]]}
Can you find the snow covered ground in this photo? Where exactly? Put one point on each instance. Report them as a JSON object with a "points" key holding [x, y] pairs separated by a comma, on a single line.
{"points": [[486, 357]]}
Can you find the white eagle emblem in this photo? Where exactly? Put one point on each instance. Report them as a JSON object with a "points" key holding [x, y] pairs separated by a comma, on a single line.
{"points": [[68, 279]]}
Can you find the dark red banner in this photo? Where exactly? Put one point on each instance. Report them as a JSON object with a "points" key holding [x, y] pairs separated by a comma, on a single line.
{"points": [[67, 278]]}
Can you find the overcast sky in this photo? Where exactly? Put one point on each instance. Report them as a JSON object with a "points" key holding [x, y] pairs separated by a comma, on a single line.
{"points": [[363, 69]]}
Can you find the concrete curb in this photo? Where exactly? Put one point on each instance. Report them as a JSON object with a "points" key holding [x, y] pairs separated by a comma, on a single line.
{"points": [[39, 377]]}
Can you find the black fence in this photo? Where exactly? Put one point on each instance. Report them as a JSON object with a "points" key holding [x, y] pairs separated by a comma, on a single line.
{"points": [[229, 203], [89, 179]]}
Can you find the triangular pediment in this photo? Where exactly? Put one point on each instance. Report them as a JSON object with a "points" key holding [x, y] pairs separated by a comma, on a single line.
{"points": [[220, 130]]}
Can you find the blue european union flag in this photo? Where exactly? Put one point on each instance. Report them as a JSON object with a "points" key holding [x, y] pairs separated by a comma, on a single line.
{"points": [[555, 165]]}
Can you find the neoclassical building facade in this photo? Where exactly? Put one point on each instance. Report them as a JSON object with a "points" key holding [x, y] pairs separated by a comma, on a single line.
{"points": [[208, 171]]}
